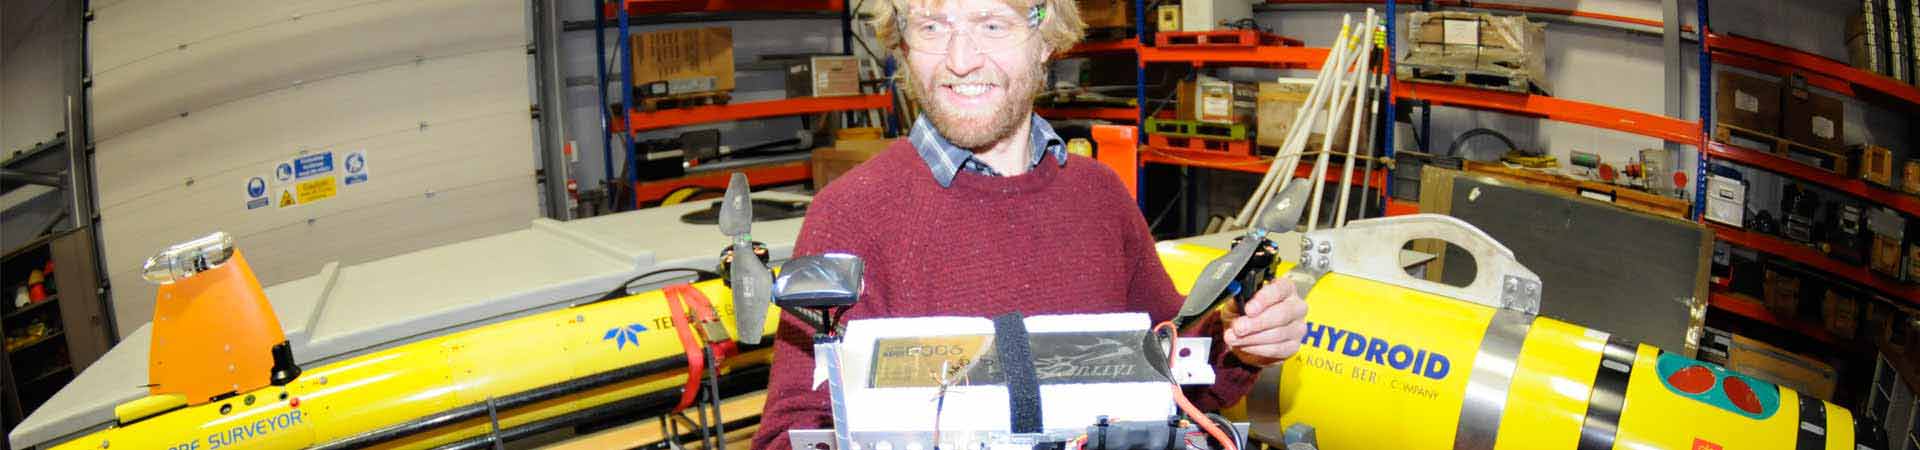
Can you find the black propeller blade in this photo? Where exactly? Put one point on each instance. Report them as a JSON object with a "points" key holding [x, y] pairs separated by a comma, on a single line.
{"points": [[1283, 214]]}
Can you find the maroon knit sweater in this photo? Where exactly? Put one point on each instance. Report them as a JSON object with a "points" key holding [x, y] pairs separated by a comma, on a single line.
{"points": [[1055, 240]]}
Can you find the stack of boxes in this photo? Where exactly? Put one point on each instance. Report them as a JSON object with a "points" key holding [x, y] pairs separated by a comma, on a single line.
{"points": [[1455, 43]]}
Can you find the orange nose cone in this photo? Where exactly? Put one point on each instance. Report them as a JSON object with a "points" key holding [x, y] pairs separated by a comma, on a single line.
{"points": [[213, 334]]}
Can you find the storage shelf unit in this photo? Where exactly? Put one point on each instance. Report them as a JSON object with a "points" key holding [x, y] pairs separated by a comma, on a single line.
{"points": [[1814, 258], [1907, 204], [28, 345], [1092, 48], [654, 120], [1751, 308], [1126, 115], [771, 174], [1820, 71], [1243, 163], [1828, 74], [1554, 108], [1278, 56], [31, 307], [649, 7], [70, 315], [616, 74]]}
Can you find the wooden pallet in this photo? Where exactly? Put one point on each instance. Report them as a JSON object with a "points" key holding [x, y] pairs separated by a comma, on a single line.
{"points": [[1240, 147], [1108, 34], [1219, 39], [1506, 80], [1196, 129], [685, 100], [1835, 162]]}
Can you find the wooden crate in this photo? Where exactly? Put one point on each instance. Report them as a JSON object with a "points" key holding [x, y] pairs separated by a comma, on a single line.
{"points": [[832, 162], [1622, 196], [1828, 160]]}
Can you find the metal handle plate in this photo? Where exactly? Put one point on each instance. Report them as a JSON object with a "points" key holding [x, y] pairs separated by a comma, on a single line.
{"points": [[1369, 249]]}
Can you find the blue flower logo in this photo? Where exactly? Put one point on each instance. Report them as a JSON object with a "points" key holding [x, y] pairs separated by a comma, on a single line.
{"points": [[623, 335]]}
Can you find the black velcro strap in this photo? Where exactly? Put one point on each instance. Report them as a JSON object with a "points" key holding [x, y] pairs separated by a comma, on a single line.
{"points": [[1609, 395], [1813, 424], [1016, 361]]}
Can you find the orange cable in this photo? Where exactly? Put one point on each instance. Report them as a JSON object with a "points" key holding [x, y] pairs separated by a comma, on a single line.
{"points": [[1180, 396]]}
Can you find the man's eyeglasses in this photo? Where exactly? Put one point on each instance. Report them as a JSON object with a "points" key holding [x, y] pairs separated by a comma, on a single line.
{"points": [[990, 31]]}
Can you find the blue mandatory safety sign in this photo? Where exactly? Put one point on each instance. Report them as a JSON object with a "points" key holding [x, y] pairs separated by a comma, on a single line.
{"points": [[356, 166], [284, 172], [256, 187], [309, 166]]}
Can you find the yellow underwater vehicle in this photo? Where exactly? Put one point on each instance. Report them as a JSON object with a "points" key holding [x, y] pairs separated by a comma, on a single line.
{"points": [[1389, 361]]}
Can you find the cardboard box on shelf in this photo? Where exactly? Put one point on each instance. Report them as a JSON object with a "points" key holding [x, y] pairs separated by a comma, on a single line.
{"points": [[1747, 102], [1208, 15], [830, 163], [1218, 101], [1781, 295], [1104, 13], [1899, 327], [690, 59], [1279, 105], [1812, 119], [1889, 231], [1169, 18], [1481, 41], [1840, 313], [1779, 366], [1913, 251], [824, 76], [1910, 176], [1875, 163]]}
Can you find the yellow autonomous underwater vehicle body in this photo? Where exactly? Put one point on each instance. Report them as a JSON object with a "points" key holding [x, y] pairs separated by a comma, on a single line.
{"points": [[506, 378], [1392, 361], [1388, 362]]}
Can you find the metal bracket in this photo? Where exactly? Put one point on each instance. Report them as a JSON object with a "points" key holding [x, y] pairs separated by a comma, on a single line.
{"points": [[493, 419], [1368, 249]]}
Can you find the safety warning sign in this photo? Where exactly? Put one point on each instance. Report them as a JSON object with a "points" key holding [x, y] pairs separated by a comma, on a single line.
{"points": [[356, 167], [257, 193], [318, 189]]}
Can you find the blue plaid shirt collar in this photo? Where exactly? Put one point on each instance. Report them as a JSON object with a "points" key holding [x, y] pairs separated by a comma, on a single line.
{"points": [[947, 160]]}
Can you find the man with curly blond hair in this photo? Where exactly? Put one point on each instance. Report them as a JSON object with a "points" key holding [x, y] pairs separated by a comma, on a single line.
{"points": [[981, 211]]}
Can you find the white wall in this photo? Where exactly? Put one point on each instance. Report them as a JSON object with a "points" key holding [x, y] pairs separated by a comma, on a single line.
{"points": [[32, 70], [194, 98]]}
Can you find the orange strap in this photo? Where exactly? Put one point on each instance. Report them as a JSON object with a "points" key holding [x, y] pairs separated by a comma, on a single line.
{"points": [[702, 310], [695, 366]]}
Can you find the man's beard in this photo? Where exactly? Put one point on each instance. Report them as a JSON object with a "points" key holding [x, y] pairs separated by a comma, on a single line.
{"points": [[977, 129]]}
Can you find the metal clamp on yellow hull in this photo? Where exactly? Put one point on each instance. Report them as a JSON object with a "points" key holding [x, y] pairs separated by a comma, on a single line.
{"points": [[1391, 361]]}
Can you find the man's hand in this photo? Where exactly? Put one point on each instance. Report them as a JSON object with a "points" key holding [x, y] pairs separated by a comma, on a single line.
{"points": [[1270, 325]]}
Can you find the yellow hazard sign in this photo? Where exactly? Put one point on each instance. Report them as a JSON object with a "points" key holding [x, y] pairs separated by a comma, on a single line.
{"points": [[318, 189], [308, 191]]}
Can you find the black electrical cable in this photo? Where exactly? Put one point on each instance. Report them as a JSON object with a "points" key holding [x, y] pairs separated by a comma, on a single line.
{"points": [[1227, 426], [1453, 150], [1162, 102], [1175, 200], [621, 289], [1417, 138]]}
